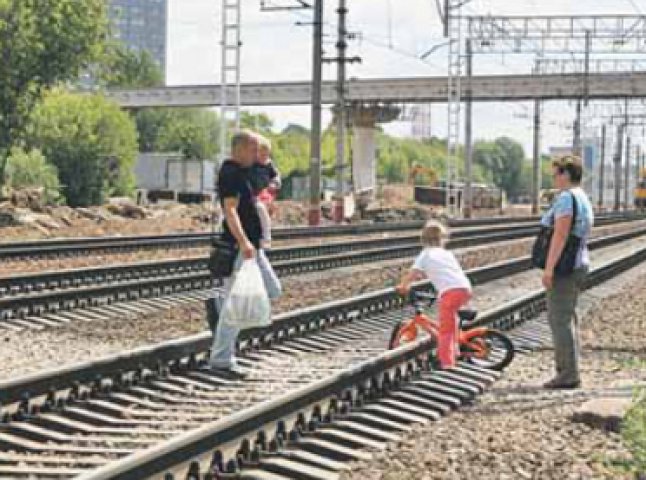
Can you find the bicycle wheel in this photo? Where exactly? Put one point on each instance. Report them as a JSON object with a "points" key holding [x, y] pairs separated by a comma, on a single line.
{"points": [[402, 333], [492, 349]]}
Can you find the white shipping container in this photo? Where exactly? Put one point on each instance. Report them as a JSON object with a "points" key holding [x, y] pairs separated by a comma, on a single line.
{"points": [[169, 171]]}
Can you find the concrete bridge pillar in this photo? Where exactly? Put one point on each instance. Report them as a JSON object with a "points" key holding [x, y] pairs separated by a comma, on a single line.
{"points": [[364, 118]]}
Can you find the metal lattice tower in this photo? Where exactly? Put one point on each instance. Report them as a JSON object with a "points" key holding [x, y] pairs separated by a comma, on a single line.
{"points": [[230, 72], [454, 30], [609, 34], [566, 35], [598, 65]]}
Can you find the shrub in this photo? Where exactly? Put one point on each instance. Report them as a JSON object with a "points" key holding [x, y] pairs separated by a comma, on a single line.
{"points": [[92, 142], [31, 170]]}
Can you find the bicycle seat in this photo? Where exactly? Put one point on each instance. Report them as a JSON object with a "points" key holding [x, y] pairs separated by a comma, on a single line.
{"points": [[467, 315]]}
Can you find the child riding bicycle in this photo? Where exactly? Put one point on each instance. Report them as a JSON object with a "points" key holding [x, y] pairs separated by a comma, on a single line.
{"points": [[440, 266]]}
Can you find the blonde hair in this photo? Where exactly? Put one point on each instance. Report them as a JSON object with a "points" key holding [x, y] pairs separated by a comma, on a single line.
{"points": [[264, 143], [434, 234]]}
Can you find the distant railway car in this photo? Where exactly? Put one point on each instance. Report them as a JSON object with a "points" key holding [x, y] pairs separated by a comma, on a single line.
{"points": [[484, 197], [430, 195], [640, 191]]}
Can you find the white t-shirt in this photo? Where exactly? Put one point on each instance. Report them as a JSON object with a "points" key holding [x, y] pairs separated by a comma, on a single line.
{"points": [[442, 268]]}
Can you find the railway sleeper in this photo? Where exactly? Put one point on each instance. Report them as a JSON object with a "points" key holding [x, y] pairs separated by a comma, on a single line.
{"points": [[351, 435]]}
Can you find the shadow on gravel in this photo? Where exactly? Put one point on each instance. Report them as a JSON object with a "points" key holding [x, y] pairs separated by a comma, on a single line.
{"points": [[614, 349], [532, 398]]}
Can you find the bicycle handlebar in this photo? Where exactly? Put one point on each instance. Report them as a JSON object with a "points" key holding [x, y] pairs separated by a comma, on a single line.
{"points": [[417, 296]]}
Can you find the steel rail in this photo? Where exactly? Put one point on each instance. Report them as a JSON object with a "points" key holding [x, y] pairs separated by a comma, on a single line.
{"points": [[29, 282], [192, 274], [396, 365], [284, 326], [76, 277], [80, 245], [88, 244], [39, 294]]}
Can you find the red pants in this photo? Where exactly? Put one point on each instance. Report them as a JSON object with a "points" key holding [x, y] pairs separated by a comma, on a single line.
{"points": [[450, 302], [267, 196]]}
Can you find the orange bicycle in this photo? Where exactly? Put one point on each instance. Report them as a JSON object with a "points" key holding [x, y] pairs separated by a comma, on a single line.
{"points": [[481, 346]]}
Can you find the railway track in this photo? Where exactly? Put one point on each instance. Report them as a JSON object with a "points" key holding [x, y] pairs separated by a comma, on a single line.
{"points": [[315, 254], [52, 299], [92, 245], [155, 411]]}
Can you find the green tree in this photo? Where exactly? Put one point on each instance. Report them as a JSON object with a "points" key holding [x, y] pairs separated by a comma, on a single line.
{"points": [[122, 67], [488, 156], [192, 131], [31, 170], [525, 183], [291, 150], [260, 122], [149, 122], [42, 43], [513, 157], [502, 161], [92, 142]]}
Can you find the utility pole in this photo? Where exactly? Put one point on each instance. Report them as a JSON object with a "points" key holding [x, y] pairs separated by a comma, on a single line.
{"points": [[638, 156], [617, 165], [315, 135], [314, 215], [536, 170], [576, 143], [468, 133], [627, 174], [341, 46], [586, 79], [602, 163]]}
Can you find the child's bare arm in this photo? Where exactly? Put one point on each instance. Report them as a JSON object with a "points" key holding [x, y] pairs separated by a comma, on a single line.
{"points": [[413, 275]]}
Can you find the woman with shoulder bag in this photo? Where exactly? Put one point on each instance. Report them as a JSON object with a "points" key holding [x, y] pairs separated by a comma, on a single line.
{"points": [[561, 251]]}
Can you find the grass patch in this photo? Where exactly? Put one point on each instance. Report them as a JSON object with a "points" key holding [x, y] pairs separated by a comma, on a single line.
{"points": [[633, 431], [631, 363]]}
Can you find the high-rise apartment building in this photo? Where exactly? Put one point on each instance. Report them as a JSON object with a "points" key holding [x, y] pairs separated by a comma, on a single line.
{"points": [[142, 25]]}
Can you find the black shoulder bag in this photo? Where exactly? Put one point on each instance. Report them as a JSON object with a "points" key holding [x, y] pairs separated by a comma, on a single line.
{"points": [[222, 258], [567, 261]]}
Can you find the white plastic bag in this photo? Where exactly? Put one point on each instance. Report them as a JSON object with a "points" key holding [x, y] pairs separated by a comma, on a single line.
{"points": [[247, 305]]}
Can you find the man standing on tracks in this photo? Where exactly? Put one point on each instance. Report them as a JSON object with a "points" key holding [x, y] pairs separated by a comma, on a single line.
{"points": [[242, 230]]}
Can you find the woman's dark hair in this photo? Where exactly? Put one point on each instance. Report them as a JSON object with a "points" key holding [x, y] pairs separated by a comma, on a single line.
{"points": [[570, 164]]}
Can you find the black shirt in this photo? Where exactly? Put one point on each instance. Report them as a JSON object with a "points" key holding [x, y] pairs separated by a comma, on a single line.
{"points": [[233, 182], [261, 175]]}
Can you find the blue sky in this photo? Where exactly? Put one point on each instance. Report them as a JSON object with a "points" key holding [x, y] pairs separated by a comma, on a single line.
{"points": [[391, 34]]}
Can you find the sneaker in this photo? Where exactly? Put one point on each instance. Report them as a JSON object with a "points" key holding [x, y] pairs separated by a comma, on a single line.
{"points": [[212, 313], [229, 373], [558, 384]]}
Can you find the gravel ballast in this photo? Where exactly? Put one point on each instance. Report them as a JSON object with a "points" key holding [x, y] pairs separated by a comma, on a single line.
{"points": [[28, 352], [25, 353], [96, 259], [517, 430]]}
